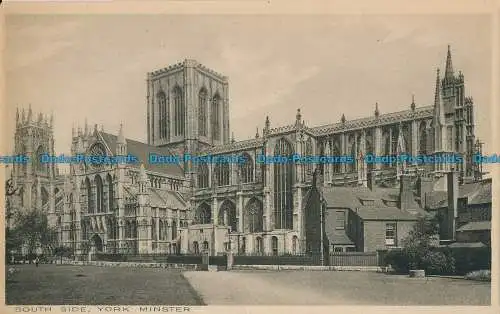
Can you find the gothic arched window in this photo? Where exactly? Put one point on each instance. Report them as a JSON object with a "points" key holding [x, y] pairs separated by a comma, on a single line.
{"points": [[161, 229], [203, 175], [110, 193], [422, 142], [274, 245], [99, 194], [202, 112], [90, 199], [227, 216], [163, 112], [336, 152], [246, 169], [222, 173], [259, 245], [215, 119], [254, 216], [283, 181], [40, 167], [203, 214], [179, 112]]}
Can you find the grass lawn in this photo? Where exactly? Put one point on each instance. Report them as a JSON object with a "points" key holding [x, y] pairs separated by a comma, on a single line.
{"points": [[90, 285]]}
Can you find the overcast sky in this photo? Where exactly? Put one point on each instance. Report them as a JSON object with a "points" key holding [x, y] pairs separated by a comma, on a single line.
{"points": [[95, 66]]}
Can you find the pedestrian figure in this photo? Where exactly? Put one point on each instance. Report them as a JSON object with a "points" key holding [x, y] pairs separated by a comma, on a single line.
{"points": [[37, 261]]}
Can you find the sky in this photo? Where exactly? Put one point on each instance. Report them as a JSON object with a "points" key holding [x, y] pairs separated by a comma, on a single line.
{"points": [[95, 66]]}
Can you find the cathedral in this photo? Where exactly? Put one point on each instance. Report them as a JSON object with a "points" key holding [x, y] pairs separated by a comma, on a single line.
{"points": [[248, 207]]}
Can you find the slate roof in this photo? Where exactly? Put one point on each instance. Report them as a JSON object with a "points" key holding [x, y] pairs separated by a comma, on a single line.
{"points": [[169, 199], [467, 244], [335, 236], [142, 151], [476, 193], [475, 226], [352, 198]]}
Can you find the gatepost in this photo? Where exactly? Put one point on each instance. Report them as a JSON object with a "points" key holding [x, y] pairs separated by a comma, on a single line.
{"points": [[205, 260]]}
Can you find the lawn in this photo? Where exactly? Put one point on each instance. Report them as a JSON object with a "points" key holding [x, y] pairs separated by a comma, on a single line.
{"points": [[90, 285]]}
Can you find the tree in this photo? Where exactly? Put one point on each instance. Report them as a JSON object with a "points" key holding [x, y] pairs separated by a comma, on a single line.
{"points": [[33, 231], [63, 251], [419, 240]]}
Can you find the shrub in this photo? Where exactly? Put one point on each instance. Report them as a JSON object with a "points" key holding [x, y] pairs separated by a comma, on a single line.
{"points": [[398, 259], [437, 263], [481, 275]]}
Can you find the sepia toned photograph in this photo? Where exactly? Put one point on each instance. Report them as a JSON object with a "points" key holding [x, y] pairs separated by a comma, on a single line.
{"points": [[169, 161]]}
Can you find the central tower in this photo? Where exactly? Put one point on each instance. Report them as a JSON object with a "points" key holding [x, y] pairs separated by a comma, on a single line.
{"points": [[188, 108]]}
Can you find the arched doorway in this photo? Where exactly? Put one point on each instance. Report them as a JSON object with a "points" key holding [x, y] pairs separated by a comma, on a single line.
{"points": [[96, 242]]}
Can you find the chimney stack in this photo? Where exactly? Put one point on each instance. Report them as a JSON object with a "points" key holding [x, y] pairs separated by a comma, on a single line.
{"points": [[452, 211], [424, 186], [370, 180], [405, 192]]}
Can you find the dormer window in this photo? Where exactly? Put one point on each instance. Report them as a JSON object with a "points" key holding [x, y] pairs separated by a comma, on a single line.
{"points": [[368, 202]]}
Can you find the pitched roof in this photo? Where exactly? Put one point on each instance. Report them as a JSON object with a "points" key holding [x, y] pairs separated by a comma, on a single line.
{"points": [[352, 198], [335, 236], [475, 226], [142, 151], [467, 244], [476, 193]]}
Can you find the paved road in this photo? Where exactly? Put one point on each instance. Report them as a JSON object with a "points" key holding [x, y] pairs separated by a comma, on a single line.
{"points": [[333, 288]]}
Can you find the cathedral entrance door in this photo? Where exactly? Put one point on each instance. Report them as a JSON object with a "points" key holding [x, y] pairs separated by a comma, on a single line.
{"points": [[97, 242]]}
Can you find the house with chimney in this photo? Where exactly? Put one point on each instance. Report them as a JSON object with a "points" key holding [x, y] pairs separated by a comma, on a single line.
{"points": [[371, 218], [361, 219], [464, 210]]}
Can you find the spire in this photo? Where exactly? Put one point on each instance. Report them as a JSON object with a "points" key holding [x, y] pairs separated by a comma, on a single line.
{"points": [[413, 102], [73, 132], [437, 95], [268, 123], [449, 65], [257, 133], [23, 116], [232, 138], [17, 116], [40, 117], [52, 119], [86, 127], [102, 127], [342, 119], [121, 138], [377, 112]]}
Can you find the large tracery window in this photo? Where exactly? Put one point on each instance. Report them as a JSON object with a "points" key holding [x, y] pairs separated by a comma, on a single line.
{"points": [[163, 112], [99, 194], [227, 216], [202, 112], [203, 214], [110, 193], [247, 169], [40, 167], [222, 174], [203, 175], [90, 199], [254, 218], [422, 142], [283, 181], [179, 112], [215, 119]]}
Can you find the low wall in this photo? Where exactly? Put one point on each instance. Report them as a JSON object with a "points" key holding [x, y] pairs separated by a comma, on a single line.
{"points": [[137, 265], [309, 268]]}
